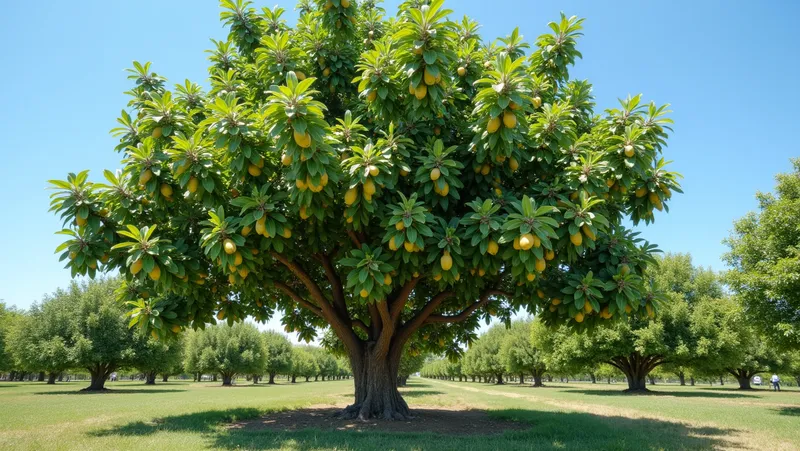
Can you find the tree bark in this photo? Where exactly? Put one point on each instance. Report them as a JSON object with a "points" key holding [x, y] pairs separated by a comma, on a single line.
{"points": [[99, 373], [308, 378], [652, 380], [537, 379], [691, 381], [255, 379], [272, 378], [41, 377], [499, 379], [164, 377], [682, 377], [150, 378], [636, 368], [721, 381], [294, 378], [375, 379], [593, 378], [742, 376], [227, 380], [51, 378]]}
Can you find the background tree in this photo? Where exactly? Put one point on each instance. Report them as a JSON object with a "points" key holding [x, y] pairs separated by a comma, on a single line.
{"points": [[727, 342], [325, 363], [8, 319], [450, 183], [519, 354], [487, 353], [230, 350], [303, 363], [43, 338], [765, 263], [279, 354], [155, 357], [411, 362]]}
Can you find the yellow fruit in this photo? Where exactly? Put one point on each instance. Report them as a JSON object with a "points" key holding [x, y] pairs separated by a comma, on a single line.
{"points": [[369, 187], [536, 241], [513, 164], [302, 139], [444, 191], [516, 244], [300, 75], [229, 245], [136, 267], [374, 171], [246, 230], [629, 152], [221, 315], [403, 172], [409, 246], [104, 258], [193, 184], [155, 273], [540, 293], [387, 279], [446, 261], [287, 233], [656, 201], [421, 91], [303, 213], [610, 182], [493, 247], [540, 265], [372, 96], [556, 301], [364, 293], [243, 272], [549, 255], [493, 125], [665, 189], [588, 232], [462, 71], [237, 258], [345, 3], [526, 241], [481, 272], [166, 190], [537, 102], [80, 222], [392, 244], [624, 270], [350, 196], [587, 307], [553, 308], [326, 72], [531, 277], [286, 159], [261, 226], [605, 314], [399, 226], [628, 309], [579, 317], [411, 89], [485, 169], [576, 239], [428, 77], [435, 174], [437, 130], [437, 277], [641, 192], [253, 170], [650, 312], [157, 132], [509, 119], [457, 277]]}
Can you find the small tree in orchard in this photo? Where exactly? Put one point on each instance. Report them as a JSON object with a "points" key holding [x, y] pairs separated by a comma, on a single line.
{"points": [[155, 357], [303, 363], [229, 351], [487, 353], [410, 363], [278, 354], [7, 317], [520, 355], [377, 175], [727, 342], [766, 264]]}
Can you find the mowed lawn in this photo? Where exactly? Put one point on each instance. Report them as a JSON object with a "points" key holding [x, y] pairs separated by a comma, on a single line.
{"points": [[185, 415]]}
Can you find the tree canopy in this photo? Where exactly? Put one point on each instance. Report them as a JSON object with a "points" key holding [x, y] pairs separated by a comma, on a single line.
{"points": [[520, 355], [379, 176], [278, 354], [227, 351], [765, 260]]}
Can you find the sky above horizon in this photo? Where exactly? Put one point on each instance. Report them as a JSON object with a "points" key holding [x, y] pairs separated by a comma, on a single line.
{"points": [[728, 72]]}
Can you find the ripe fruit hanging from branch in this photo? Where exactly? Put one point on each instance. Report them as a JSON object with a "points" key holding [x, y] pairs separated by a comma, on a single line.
{"points": [[391, 193]]}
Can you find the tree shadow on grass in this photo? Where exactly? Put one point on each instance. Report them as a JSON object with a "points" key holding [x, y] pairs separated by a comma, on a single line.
{"points": [[419, 393], [677, 394], [110, 391], [509, 429], [790, 411]]}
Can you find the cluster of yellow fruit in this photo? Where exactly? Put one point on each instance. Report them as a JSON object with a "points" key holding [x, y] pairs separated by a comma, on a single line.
{"points": [[653, 196], [155, 273], [308, 184], [509, 119], [255, 169], [230, 248]]}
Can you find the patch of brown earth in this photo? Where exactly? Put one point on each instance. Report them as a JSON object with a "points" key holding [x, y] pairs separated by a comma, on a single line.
{"points": [[435, 420]]}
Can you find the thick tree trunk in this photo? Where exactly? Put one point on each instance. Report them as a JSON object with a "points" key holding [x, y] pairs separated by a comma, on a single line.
{"points": [[316, 378], [375, 380], [636, 369], [537, 379], [294, 378], [549, 378], [652, 380], [227, 380], [521, 379], [682, 377], [691, 381], [61, 377], [272, 378], [721, 381], [12, 376], [593, 378], [51, 378], [99, 374], [41, 377], [744, 383], [797, 378], [608, 380], [164, 377], [214, 378], [255, 379], [150, 378], [499, 379], [742, 376], [308, 378]]}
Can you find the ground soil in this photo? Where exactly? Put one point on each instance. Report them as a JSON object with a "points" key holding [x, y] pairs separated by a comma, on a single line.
{"points": [[437, 420]]}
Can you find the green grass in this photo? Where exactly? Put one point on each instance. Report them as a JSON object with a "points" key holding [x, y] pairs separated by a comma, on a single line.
{"points": [[181, 415]]}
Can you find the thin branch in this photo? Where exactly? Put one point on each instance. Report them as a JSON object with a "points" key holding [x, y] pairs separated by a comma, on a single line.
{"points": [[387, 331], [464, 314], [335, 281], [419, 319], [399, 302], [299, 299], [354, 239]]}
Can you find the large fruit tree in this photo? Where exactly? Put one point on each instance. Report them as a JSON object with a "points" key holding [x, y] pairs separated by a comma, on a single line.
{"points": [[381, 176]]}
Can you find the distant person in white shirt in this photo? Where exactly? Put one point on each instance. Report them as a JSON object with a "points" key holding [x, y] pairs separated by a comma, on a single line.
{"points": [[776, 382]]}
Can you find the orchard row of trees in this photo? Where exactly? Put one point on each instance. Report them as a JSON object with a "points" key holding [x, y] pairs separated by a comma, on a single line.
{"points": [[700, 332], [84, 328]]}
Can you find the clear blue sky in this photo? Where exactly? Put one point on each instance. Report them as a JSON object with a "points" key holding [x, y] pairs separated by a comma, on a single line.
{"points": [[729, 69]]}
